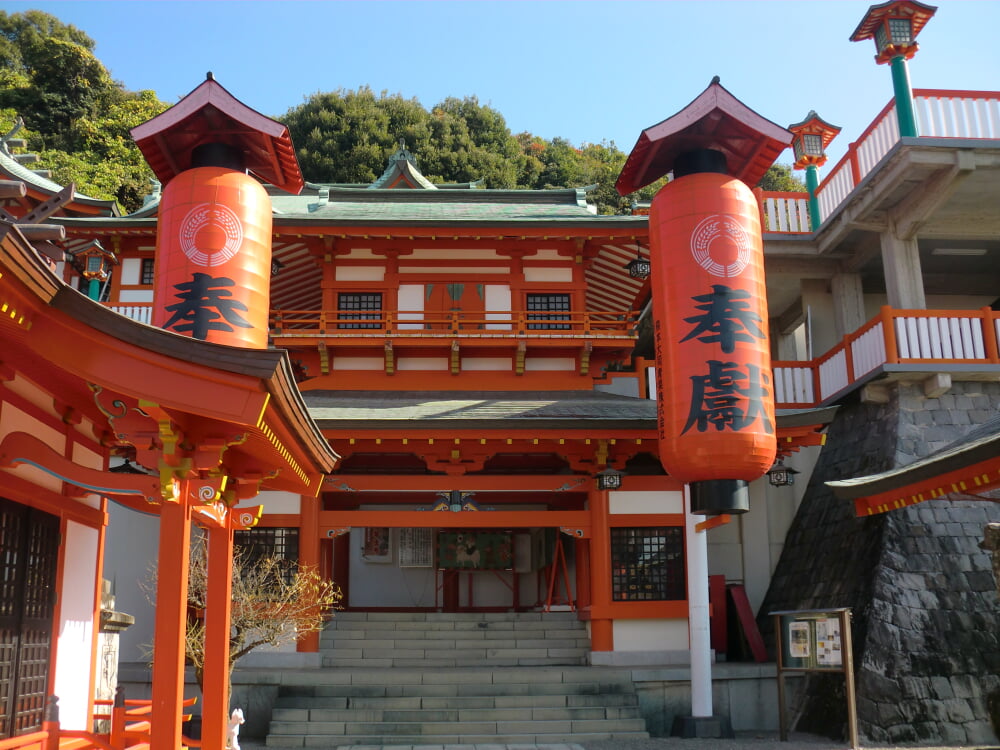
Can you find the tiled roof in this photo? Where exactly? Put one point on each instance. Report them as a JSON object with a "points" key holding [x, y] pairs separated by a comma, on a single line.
{"points": [[439, 409], [353, 205]]}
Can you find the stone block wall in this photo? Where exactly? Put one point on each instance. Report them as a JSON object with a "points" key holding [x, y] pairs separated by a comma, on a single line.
{"points": [[926, 621]]}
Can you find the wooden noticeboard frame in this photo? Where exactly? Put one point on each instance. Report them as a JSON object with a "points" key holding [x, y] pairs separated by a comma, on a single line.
{"points": [[815, 640]]}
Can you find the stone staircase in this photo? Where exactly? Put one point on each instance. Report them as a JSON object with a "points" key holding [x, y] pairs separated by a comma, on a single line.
{"points": [[439, 679]]}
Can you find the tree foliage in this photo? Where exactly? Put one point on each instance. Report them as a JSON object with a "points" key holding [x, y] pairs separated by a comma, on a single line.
{"points": [[77, 117], [272, 604], [779, 179], [347, 136]]}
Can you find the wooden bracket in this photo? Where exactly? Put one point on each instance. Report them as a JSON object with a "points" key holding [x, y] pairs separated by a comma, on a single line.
{"points": [[720, 520]]}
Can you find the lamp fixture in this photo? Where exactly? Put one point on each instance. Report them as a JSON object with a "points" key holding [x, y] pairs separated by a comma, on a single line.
{"points": [[609, 479], [638, 267], [780, 475]]}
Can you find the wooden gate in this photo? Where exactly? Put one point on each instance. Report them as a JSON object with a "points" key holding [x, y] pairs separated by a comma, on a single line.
{"points": [[29, 553]]}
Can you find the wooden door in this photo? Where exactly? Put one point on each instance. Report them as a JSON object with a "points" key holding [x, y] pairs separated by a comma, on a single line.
{"points": [[454, 306], [29, 554]]}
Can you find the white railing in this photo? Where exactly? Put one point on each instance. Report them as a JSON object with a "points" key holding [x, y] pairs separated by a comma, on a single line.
{"points": [[793, 385], [833, 376], [939, 114], [957, 114], [939, 338], [929, 339], [786, 212], [868, 351], [139, 312]]}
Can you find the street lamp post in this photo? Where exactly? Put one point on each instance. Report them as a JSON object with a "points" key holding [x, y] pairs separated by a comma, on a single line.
{"points": [[812, 136], [95, 265], [894, 27]]}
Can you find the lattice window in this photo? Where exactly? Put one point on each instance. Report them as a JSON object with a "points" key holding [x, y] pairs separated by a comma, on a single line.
{"points": [[29, 548], [146, 274], [261, 543], [366, 306], [548, 306], [647, 564]]}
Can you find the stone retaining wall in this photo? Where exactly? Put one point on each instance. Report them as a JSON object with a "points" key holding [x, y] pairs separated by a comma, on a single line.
{"points": [[926, 621]]}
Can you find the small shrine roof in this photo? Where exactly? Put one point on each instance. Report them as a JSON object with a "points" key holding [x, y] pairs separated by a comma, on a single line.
{"points": [[932, 476], [714, 120], [210, 114], [14, 170]]}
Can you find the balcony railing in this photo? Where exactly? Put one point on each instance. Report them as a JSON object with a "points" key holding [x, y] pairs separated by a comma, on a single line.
{"points": [[936, 338], [352, 324], [939, 114]]}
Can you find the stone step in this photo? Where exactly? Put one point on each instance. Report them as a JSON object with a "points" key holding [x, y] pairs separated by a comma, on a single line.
{"points": [[417, 638], [328, 741], [419, 678], [453, 617], [458, 701], [288, 716]]}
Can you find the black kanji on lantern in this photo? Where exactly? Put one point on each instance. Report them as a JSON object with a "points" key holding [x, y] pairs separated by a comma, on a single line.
{"points": [[728, 397], [727, 318], [204, 302]]}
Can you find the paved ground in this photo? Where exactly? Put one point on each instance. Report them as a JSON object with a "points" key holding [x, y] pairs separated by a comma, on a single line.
{"points": [[753, 741]]}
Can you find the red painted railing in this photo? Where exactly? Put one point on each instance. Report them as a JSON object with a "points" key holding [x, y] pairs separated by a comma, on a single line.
{"points": [[129, 730], [937, 338], [352, 324], [939, 114]]}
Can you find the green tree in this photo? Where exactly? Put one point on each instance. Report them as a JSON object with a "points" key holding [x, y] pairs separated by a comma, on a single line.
{"points": [[77, 118], [779, 179]]}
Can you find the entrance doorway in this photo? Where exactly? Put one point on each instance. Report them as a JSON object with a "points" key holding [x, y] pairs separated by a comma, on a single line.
{"points": [[29, 555]]}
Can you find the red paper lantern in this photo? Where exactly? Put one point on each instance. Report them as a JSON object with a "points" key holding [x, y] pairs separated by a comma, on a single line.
{"points": [[213, 258], [715, 397]]}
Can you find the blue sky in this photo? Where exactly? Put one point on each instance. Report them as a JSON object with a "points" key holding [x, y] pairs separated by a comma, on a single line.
{"points": [[585, 71]]}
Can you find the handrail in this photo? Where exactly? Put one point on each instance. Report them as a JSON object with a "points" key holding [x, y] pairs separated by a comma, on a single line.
{"points": [[939, 113], [933, 337], [480, 324]]}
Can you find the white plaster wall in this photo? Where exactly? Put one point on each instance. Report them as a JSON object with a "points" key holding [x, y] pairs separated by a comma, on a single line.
{"points": [[276, 502], [357, 363], [548, 274], [622, 501], [131, 271], [422, 363], [651, 635], [75, 639], [539, 364], [410, 301], [496, 297], [130, 549], [491, 364], [135, 295], [360, 273], [464, 270]]}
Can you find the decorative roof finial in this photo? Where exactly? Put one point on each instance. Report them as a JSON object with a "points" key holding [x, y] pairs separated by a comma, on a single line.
{"points": [[716, 79], [210, 76]]}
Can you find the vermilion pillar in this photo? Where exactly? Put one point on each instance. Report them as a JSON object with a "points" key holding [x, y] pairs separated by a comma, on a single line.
{"points": [[171, 621], [601, 625], [215, 705], [309, 556]]}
